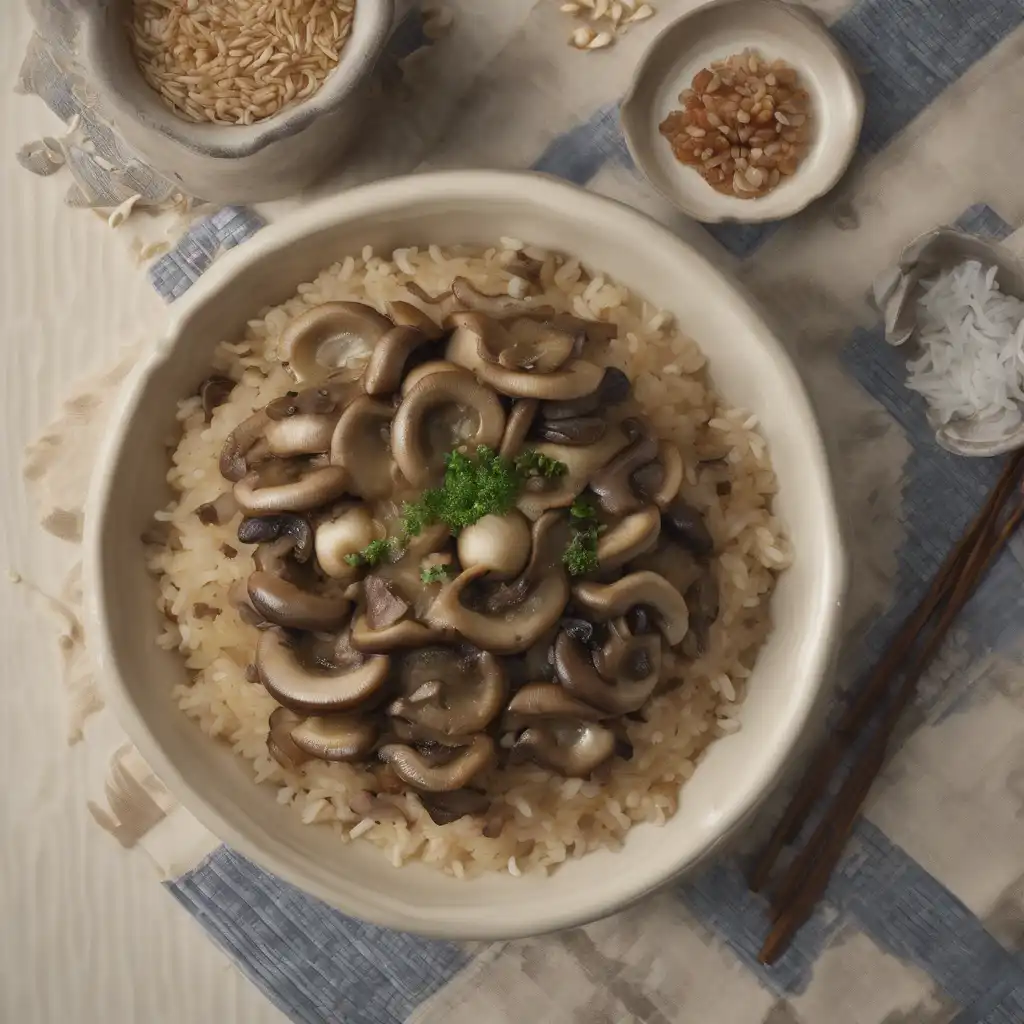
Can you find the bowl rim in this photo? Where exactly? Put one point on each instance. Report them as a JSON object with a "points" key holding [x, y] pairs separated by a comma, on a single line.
{"points": [[385, 196], [220, 141], [803, 199]]}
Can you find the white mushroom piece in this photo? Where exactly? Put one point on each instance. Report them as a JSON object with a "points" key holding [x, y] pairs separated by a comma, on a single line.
{"points": [[317, 689], [443, 411], [610, 600], [574, 749], [455, 772], [340, 536], [499, 544], [446, 695], [330, 336]]}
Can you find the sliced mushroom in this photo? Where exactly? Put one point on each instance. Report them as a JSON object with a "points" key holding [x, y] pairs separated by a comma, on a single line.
{"points": [[326, 337], [444, 808], [546, 701], [284, 603], [535, 346], [280, 745], [702, 599], [576, 378], [411, 767], [405, 314], [571, 749], [500, 544], [447, 695], [510, 632], [214, 392], [549, 536], [221, 510], [338, 737], [330, 396], [383, 373], [354, 681], [264, 529], [659, 481], [629, 681], [517, 426], [401, 635], [609, 600], [280, 486], [234, 455], [582, 463], [421, 462], [613, 389], [576, 430], [336, 539], [417, 373], [383, 607], [362, 445], [673, 561], [469, 297], [630, 537], [613, 485], [301, 434], [683, 522], [445, 302]]}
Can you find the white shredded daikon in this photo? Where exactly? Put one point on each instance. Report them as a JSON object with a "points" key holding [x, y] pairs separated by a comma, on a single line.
{"points": [[972, 341]]}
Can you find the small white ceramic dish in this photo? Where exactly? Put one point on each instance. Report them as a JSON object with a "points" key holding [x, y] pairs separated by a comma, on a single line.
{"points": [[224, 163], [129, 485], [719, 30]]}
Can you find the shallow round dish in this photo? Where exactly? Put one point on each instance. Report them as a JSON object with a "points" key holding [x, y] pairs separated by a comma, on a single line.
{"points": [[749, 367], [714, 32]]}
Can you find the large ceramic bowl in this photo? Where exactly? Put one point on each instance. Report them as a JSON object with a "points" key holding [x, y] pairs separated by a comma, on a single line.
{"points": [[749, 367]]}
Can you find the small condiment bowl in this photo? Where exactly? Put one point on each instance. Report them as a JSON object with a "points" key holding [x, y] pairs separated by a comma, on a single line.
{"points": [[775, 31]]}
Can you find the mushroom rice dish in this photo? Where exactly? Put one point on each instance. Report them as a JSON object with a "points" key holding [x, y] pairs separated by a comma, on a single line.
{"points": [[467, 558]]}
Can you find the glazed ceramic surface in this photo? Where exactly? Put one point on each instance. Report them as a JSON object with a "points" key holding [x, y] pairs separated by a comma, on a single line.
{"points": [[714, 32], [221, 163], [749, 368]]}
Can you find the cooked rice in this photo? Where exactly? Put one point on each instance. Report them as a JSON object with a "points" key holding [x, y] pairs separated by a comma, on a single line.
{"points": [[543, 818]]}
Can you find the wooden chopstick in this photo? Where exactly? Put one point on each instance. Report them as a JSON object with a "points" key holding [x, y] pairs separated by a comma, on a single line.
{"points": [[808, 875], [829, 756]]}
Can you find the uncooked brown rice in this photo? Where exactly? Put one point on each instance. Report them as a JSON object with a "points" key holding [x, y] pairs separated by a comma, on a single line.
{"points": [[537, 820], [237, 61]]}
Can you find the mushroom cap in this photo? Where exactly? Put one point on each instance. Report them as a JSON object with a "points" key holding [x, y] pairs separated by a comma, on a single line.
{"points": [[609, 600], [500, 544], [507, 632], [419, 464], [301, 434], [233, 462], [444, 808], [333, 334], [537, 701], [575, 430], [613, 485], [289, 487], [383, 374], [314, 691], [469, 297], [413, 769], [282, 602], [618, 693], [405, 314], [613, 389], [632, 536], [265, 529], [351, 530], [686, 525], [659, 481], [362, 446], [280, 745], [448, 695], [417, 373], [404, 634], [573, 749], [517, 426], [339, 737]]}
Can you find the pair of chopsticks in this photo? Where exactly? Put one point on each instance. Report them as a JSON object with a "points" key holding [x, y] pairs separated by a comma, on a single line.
{"points": [[885, 695]]}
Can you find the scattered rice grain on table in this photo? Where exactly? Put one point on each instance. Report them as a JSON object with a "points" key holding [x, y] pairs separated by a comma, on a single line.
{"points": [[542, 819]]}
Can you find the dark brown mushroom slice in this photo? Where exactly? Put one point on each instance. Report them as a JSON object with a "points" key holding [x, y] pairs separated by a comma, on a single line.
{"points": [[671, 560], [263, 529], [547, 542], [620, 691], [343, 736], [576, 430], [659, 481], [612, 390], [411, 767], [383, 374], [405, 314], [613, 486], [418, 420], [548, 701], [526, 267], [362, 445], [289, 486], [573, 749], [685, 523], [400, 635], [383, 607], [517, 426], [280, 745], [326, 337], [444, 808], [580, 630], [234, 455], [214, 392], [219, 511], [332, 395], [312, 689], [610, 600], [702, 599], [285, 604]]}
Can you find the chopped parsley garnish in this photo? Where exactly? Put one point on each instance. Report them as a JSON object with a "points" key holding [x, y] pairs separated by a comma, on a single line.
{"points": [[374, 552], [436, 573], [581, 555], [474, 488], [583, 508]]}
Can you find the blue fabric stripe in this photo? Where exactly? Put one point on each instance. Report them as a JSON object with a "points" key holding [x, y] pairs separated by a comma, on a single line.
{"points": [[582, 151], [906, 52], [315, 964]]}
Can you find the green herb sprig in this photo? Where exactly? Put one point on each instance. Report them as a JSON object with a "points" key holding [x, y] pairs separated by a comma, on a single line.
{"points": [[374, 552], [580, 556]]}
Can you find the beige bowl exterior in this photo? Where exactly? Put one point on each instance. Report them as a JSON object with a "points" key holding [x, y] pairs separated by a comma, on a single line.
{"points": [[749, 367]]}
